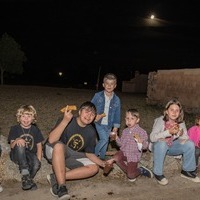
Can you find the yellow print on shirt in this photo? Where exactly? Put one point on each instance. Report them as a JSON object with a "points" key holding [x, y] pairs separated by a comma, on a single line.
{"points": [[76, 142]]}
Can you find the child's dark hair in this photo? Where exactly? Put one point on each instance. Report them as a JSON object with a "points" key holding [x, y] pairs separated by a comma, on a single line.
{"points": [[90, 106]]}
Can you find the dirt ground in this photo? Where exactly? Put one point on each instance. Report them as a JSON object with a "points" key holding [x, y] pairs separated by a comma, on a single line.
{"points": [[109, 189], [48, 102]]}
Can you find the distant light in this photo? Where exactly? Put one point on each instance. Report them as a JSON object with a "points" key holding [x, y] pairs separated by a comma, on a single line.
{"points": [[152, 17], [85, 83], [60, 73]]}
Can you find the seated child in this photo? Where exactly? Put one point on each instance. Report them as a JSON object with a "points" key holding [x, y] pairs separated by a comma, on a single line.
{"points": [[25, 140], [194, 135], [132, 142]]}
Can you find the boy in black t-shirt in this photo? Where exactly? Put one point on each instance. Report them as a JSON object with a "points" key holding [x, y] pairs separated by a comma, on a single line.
{"points": [[25, 140], [71, 144]]}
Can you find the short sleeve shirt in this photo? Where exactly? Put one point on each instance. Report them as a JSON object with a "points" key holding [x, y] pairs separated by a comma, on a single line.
{"points": [[32, 136], [81, 139]]}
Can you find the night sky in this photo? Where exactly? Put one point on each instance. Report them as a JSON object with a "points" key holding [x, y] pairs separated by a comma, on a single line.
{"points": [[80, 37]]}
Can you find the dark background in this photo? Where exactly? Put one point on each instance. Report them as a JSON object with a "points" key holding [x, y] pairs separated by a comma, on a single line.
{"points": [[82, 37]]}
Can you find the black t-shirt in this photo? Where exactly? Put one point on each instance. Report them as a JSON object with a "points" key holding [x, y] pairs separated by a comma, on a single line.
{"points": [[82, 139], [32, 136]]}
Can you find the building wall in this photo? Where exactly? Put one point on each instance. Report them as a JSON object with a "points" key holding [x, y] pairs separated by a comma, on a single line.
{"points": [[136, 85], [183, 84]]}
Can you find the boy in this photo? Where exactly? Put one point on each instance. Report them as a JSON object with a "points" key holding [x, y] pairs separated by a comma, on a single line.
{"points": [[25, 140], [108, 113], [71, 144], [132, 142]]}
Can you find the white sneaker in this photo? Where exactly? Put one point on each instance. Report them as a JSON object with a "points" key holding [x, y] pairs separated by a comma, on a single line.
{"points": [[132, 180], [161, 179], [196, 179], [190, 176], [1, 189]]}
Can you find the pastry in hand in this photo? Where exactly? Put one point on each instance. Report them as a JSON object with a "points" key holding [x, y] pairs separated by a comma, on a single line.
{"points": [[69, 107], [103, 115]]}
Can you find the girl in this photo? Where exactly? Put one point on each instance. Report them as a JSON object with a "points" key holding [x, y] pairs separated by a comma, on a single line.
{"points": [[194, 135], [169, 137]]}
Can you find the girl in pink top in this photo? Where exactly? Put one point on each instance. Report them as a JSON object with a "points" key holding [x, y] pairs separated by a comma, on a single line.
{"points": [[194, 135]]}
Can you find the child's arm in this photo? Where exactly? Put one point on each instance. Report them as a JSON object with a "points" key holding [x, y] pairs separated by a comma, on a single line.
{"points": [[95, 159], [56, 133], [18, 141], [39, 151]]}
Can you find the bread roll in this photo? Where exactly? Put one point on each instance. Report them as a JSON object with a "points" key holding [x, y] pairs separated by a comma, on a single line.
{"points": [[69, 107]]}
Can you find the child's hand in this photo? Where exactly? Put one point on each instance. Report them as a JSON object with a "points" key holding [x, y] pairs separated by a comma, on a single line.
{"points": [[68, 115], [174, 129], [113, 135], [20, 142], [110, 161], [99, 116], [180, 133], [137, 138]]}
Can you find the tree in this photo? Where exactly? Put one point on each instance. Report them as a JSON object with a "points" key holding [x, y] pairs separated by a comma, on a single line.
{"points": [[11, 56]]}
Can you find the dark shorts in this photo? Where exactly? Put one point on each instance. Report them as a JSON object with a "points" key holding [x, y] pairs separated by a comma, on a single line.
{"points": [[73, 159]]}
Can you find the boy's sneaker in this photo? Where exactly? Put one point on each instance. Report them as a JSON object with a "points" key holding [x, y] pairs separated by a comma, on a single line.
{"points": [[60, 192], [63, 193], [190, 175], [26, 182], [161, 179], [51, 178], [33, 185], [146, 172], [132, 179]]}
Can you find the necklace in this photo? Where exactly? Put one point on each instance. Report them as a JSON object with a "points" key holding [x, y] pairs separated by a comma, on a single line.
{"points": [[26, 131]]}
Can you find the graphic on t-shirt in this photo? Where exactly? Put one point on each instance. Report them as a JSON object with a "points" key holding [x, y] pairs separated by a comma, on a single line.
{"points": [[29, 140], [76, 142]]}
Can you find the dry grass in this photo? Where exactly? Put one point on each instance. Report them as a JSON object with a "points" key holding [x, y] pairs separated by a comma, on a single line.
{"points": [[48, 101]]}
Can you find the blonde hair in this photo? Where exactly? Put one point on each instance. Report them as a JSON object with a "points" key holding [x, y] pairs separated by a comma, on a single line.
{"points": [[26, 109], [181, 115]]}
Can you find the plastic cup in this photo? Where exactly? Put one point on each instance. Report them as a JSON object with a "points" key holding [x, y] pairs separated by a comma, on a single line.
{"points": [[113, 135]]}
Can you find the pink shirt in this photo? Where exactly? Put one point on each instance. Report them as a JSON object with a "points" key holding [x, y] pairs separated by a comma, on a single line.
{"points": [[194, 135]]}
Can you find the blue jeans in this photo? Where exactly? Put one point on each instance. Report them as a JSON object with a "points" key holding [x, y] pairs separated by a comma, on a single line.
{"points": [[25, 159], [161, 149], [101, 147]]}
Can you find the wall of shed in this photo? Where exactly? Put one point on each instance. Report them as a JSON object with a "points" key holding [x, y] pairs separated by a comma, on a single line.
{"points": [[136, 85], [183, 84]]}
